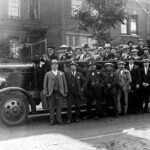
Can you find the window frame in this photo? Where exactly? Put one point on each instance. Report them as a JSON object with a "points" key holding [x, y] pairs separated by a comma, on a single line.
{"points": [[18, 10], [127, 27], [38, 15], [135, 17]]}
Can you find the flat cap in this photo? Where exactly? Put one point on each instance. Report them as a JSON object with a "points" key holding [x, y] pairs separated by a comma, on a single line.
{"points": [[145, 60], [109, 64], [145, 48], [134, 50], [54, 61], [121, 63]]}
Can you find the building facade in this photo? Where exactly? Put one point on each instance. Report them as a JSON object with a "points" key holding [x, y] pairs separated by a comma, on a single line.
{"points": [[29, 21]]}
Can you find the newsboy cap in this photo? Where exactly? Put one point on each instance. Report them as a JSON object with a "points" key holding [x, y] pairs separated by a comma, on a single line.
{"points": [[109, 64], [121, 63]]}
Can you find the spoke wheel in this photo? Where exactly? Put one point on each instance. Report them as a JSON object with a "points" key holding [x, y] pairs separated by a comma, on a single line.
{"points": [[14, 111]]}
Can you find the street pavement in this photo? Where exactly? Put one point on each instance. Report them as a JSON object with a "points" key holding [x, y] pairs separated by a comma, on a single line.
{"points": [[108, 133]]}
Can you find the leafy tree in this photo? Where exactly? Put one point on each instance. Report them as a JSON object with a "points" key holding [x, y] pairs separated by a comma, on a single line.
{"points": [[99, 16]]}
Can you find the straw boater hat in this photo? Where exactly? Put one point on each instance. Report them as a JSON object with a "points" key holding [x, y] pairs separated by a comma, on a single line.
{"points": [[63, 46], [121, 63], [54, 61]]}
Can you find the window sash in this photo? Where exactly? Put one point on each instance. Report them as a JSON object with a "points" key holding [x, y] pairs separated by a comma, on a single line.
{"points": [[133, 24], [124, 27], [34, 9], [14, 8]]}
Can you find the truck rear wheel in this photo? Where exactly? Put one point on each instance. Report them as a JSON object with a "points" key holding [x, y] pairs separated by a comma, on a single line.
{"points": [[14, 111]]}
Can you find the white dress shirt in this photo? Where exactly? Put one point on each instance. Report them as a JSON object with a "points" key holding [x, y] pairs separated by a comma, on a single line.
{"points": [[55, 72]]}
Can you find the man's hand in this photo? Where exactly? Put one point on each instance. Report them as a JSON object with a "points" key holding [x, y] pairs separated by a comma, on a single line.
{"points": [[145, 84], [108, 85], [137, 86]]}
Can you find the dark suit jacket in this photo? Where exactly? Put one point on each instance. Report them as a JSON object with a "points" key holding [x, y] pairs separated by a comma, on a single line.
{"points": [[145, 78], [80, 81], [135, 75], [91, 75], [49, 83]]}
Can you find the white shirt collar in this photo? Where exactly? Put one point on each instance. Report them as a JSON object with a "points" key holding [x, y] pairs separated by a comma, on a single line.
{"points": [[55, 72]]}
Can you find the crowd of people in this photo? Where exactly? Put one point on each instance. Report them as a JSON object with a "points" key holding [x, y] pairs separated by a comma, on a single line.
{"points": [[126, 86], [106, 53]]}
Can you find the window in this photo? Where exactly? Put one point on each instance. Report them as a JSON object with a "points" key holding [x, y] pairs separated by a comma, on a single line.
{"points": [[76, 4], [34, 9], [14, 47], [13, 8], [134, 20], [124, 27]]}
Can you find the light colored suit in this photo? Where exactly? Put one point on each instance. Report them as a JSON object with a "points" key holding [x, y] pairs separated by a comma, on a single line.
{"points": [[123, 81], [49, 83]]}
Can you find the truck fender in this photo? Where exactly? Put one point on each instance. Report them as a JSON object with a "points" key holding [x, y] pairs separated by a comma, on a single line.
{"points": [[26, 93]]}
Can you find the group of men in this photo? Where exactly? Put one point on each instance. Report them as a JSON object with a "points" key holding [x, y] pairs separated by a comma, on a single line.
{"points": [[126, 86], [105, 53]]}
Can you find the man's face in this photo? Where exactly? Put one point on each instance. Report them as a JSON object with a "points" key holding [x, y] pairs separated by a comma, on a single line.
{"points": [[93, 67], [113, 51], [54, 66], [146, 52], [73, 67], [107, 50], [108, 67], [50, 51], [141, 43], [131, 61], [78, 52], [130, 44], [121, 66]]}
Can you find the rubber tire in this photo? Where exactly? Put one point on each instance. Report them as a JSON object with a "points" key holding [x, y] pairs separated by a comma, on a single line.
{"points": [[24, 115]]}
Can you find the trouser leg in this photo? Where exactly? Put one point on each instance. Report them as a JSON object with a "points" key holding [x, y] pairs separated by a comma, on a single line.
{"points": [[69, 107], [51, 101], [119, 94], [59, 99], [77, 107], [125, 101], [89, 106]]}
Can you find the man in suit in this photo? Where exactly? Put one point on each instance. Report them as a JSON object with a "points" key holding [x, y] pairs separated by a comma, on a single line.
{"points": [[145, 84], [134, 95], [123, 80], [75, 81], [55, 89], [93, 90], [140, 47], [110, 86]]}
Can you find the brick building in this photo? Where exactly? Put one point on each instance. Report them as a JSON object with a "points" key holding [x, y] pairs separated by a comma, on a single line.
{"points": [[24, 21]]}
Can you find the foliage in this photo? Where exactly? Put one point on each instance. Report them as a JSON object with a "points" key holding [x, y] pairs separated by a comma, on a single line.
{"points": [[99, 16]]}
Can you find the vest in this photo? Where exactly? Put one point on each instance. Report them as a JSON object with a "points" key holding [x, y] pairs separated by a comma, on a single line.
{"points": [[74, 85], [56, 83]]}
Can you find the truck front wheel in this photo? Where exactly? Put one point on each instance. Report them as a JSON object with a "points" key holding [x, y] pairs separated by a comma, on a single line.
{"points": [[14, 111]]}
